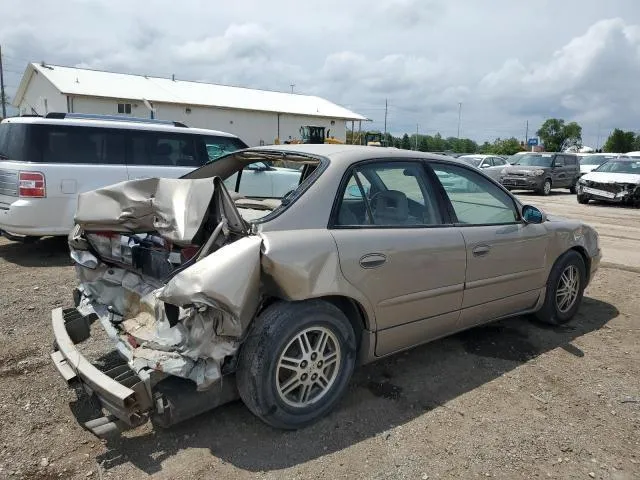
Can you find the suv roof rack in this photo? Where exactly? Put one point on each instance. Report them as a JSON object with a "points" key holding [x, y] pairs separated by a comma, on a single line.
{"points": [[113, 118]]}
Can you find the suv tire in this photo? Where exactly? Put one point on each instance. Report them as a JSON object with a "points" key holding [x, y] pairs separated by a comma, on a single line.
{"points": [[546, 187], [277, 371]]}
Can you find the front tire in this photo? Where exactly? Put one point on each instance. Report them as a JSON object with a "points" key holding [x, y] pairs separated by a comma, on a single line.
{"points": [[565, 288], [583, 199], [546, 188], [296, 363]]}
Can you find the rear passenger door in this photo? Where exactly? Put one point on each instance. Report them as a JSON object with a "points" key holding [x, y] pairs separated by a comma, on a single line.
{"points": [[398, 250]]}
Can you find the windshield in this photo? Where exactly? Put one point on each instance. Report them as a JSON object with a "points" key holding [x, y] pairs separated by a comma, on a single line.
{"points": [[620, 166], [475, 161], [597, 159], [535, 160]]}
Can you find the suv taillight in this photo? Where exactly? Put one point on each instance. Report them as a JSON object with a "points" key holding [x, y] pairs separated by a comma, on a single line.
{"points": [[32, 185]]}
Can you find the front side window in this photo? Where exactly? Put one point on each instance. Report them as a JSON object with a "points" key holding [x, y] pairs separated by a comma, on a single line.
{"points": [[387, 194], [475, 200]]}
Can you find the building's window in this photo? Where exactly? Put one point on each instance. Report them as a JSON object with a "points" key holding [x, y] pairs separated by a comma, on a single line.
{"points": [[124, 108]]}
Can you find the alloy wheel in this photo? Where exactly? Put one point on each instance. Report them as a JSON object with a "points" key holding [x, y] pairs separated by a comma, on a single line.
{"points": [[568, 288], [308, 367]]}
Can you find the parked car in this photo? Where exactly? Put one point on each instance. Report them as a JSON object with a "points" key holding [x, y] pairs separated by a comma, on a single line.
{"points": [[541, 172], [617, 181], [634, 155], [591, 161], [46, 162], [209, 296], [491, 165]]}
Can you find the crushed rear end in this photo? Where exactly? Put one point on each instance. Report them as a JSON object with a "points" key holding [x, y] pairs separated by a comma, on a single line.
{"points": [[171, 273]]}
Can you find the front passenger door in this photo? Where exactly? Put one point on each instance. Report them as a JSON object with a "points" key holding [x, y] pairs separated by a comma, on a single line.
{"points": [[559, 172], [505, 257]]}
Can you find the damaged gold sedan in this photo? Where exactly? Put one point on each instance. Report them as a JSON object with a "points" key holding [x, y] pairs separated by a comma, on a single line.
{"points": [[209, 296]]}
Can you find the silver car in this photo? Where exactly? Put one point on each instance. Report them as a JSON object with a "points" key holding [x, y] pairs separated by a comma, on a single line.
{"points": [[491, 165], [209, 295]]}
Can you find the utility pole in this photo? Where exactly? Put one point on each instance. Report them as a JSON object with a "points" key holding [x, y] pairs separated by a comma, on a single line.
{"points": [[385, 119], [459, 117], [417, 126], [526, 133], [3, 99], [292, 85], [598, 144]]}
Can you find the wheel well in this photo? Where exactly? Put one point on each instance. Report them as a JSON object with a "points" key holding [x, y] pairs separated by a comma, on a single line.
{"points": [[352, 310], [350, 307], [585, 258]]}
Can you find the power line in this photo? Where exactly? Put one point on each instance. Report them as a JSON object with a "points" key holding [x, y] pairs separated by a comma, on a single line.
{"points": [[3, 98]]}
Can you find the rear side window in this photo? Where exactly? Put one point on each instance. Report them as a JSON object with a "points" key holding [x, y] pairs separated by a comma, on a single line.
{"points": [[163, 149], [13, 143], [559, 161], [570, 160], [61, 144]]}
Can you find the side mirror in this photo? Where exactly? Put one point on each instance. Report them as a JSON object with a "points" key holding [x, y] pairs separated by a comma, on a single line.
{"points": [[485, 165], [531, 214]]}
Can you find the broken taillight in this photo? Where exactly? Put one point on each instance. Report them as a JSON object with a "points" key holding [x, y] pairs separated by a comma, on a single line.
{"points": [[31, 185]]}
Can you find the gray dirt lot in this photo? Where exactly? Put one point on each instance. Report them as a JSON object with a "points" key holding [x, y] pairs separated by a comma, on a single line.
{"points": [[510, 400]]}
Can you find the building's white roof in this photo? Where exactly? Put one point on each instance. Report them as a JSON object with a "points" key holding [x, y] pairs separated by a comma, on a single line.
{"points": [[93, 83]]}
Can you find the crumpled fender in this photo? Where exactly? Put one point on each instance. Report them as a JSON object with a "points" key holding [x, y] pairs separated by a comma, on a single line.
{"points": [[227, 279]]}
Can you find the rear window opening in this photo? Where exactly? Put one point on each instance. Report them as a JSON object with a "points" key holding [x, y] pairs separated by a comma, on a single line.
{"points": [[268, 183]]}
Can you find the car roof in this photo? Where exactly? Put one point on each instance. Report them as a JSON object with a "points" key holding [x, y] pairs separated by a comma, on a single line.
{"points": [[341, 153], [123, 124]]}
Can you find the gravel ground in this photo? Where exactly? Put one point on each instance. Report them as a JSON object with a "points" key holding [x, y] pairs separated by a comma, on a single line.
{"points": [[514, 399]]}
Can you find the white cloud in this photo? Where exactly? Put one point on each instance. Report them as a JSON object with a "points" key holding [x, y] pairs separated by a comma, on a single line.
{"points": [[507, 63]]}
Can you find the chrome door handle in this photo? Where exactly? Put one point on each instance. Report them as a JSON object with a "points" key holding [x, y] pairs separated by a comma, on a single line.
{"points": [[481, 250], [372, 260]]}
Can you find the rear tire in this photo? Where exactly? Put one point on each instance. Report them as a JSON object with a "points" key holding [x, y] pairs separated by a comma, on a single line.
{"points": [[284, 350], [565, 288], [583, 199]]}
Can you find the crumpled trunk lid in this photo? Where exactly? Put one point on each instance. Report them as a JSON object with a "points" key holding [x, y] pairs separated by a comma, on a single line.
{"points": [[178, 313]]}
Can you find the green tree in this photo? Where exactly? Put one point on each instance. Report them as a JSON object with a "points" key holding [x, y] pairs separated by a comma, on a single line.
{"points": [[485, 148], [556, 135], [423, 143], [620, 142], [437, 144], [405, 144]]}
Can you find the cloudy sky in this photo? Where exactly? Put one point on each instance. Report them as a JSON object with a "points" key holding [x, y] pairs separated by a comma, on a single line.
{"points": [[507, 63]]}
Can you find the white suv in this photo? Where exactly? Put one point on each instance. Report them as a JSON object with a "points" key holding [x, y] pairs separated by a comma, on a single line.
{"points": [[46, 162]]}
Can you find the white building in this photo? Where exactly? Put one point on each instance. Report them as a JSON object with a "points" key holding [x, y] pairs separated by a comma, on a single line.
{"points": [[257, 116]]}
